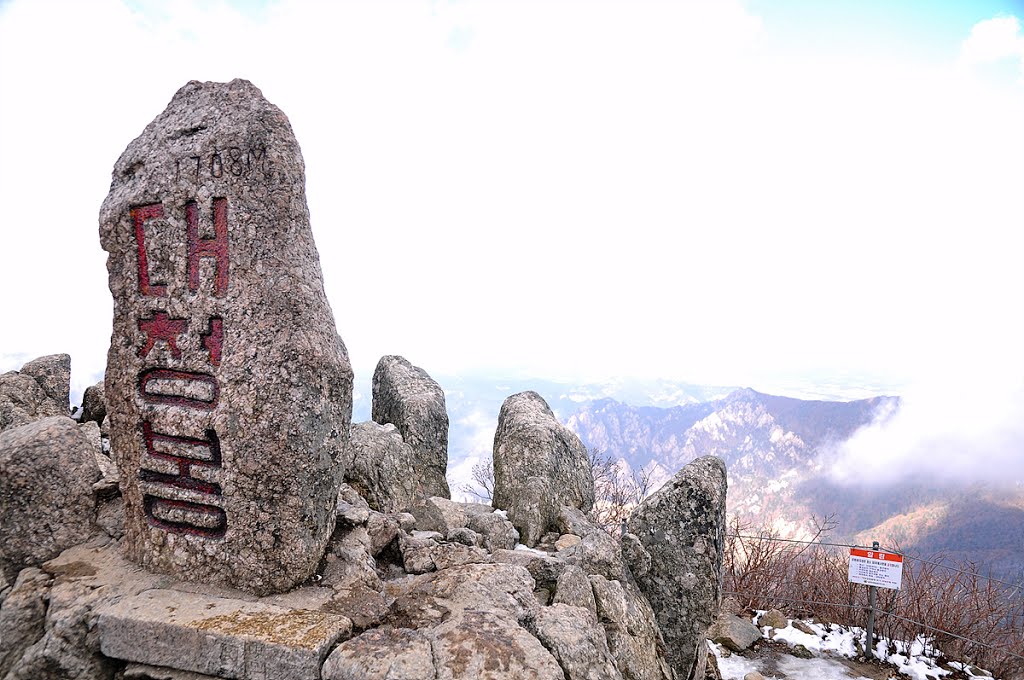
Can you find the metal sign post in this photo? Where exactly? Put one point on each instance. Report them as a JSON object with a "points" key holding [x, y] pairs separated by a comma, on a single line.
{"points": [[875, 569], [872, 594]]}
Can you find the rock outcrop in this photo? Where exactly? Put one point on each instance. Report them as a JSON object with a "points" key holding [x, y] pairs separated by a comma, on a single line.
{"points": [[405, 396], [53, 373], [682, 526], [228, 389], [47, 469], [627, 617], [733, 632], [380, 465], [417, 606], [539, 466], [226, 409], [23, 616], [94, 404], [39, 390], [435, 593]]}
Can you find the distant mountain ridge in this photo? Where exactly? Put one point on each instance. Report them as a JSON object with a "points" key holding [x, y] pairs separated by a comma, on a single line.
{"points": [[745, 428], [777, 450]]}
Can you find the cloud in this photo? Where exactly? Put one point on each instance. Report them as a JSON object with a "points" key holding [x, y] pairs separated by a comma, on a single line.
{"points": [[967, 434], [994, 40], [618, 189], [460, 477]]}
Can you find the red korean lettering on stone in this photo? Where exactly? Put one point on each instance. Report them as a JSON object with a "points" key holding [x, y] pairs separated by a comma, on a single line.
{"points": [[216, 247], [179, 388], [162, 328], [173, 448], [140, 214], [185, 517], [177, 515], [213, 340]]}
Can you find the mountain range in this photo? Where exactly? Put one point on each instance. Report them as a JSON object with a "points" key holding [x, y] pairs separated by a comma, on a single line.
{"points": [[778, 451]]}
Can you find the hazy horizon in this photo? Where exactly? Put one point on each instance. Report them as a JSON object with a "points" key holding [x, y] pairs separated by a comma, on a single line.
{"points": [[780, 195]]}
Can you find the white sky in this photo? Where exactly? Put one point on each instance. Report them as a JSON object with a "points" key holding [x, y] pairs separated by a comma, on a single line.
{"points": [[707, 191]]}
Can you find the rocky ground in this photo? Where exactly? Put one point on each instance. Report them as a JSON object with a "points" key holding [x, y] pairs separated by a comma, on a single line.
{"points": [[408, 586]]}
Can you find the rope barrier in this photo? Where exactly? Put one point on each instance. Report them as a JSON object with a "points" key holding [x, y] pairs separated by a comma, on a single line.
{"points": [[975, 574], [794, 540], [1015, 586], [792, 599]]}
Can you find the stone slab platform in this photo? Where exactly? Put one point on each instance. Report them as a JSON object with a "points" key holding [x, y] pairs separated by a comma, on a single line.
{"points": [[219, 637]]}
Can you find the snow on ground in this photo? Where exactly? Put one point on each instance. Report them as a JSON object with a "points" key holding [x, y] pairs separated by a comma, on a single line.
{"points": [[735, 667], [522, 548], [828, 642], [819, 668]]}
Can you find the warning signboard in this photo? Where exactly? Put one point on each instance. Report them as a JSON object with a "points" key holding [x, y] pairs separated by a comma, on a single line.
{"points": [[876, 568]]}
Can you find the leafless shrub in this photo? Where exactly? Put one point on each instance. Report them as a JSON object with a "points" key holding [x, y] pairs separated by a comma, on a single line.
{"points": [[482, 481], [984, 618], [617, 490]]}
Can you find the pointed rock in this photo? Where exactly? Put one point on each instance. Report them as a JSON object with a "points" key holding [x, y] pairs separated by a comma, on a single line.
{"points": [[405, 396], [682, 526]]}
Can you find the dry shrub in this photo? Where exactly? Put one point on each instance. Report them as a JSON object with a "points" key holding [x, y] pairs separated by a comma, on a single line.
{"points": [[984, 618], [617, 491]]}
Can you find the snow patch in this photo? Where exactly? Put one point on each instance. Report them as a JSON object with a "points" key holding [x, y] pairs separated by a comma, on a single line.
{"points": [[828, 641], [522, 548]]}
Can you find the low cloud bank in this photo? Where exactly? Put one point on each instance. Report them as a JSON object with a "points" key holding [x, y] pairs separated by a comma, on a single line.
{"points": [[953, 433]]}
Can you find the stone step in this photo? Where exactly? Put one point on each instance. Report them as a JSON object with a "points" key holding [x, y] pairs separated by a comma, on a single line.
{"points": [[221, 637]]}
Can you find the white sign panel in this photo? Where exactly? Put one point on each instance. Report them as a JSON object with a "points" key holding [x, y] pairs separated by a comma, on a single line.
{"points": [[876, 568]]}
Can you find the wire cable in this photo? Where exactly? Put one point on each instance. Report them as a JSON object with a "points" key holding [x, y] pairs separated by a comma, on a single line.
{"points": [[1016, 586]]}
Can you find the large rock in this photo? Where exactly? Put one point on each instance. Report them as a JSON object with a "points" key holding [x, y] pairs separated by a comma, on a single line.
{"points": [[53, 373], [228, 389], [496, 532], [47, 470], [379, 466], [485, 645], [733, 632], [628, 620], [632, 631], [471, 615], [382, 654], [39, 390], [682, 526], [349, 563], [68, 648], [405, 396], [575, 639], [22, 616], [94, 404], [539, 466], [573, 588]]}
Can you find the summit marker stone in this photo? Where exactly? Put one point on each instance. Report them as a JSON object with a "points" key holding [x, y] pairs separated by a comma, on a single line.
{"points": [[228, 388]]}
